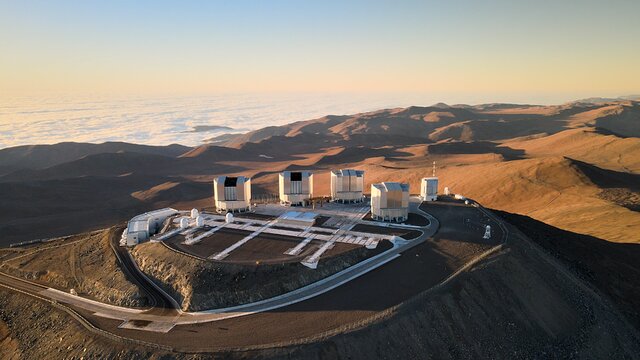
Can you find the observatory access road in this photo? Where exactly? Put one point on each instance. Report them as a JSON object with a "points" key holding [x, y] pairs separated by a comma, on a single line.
{"points": [[337, 305], [160, 301], [166, 310]]}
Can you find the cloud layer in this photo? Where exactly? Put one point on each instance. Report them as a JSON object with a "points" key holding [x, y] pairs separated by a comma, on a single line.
{"points": [[168, 120]]}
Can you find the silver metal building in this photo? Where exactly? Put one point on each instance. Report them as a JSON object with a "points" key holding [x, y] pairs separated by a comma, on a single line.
{"points": [[142, 226], [232, 193], [347, 185], [429, 189], [390, 201], [296, 187]]}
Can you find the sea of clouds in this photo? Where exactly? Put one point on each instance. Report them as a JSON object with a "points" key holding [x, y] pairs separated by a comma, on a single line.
{"points": [[169, 120]]}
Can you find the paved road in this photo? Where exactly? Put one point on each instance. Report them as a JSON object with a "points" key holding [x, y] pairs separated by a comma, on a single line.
{"points": [[20, 284], [160, 301]]}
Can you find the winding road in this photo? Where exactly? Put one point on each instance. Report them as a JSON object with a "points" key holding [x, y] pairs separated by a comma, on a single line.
{"points": [[158, 298], [165, 315]]}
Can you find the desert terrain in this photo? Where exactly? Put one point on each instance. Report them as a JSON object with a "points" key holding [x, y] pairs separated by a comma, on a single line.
{"points": [[565, 178], [574, 166]]}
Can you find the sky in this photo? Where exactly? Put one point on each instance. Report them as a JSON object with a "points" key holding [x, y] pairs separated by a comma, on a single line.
{"points": [[151, 72], [458, 51]]}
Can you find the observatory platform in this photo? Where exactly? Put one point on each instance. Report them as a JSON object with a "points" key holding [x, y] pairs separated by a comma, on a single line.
{"points": [[273, 234]]}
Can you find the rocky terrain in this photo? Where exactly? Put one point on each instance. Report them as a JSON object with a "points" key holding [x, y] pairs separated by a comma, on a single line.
{"points": [[610, 267], [200, 284], [83, 262], [519, 303], [30, 329]]}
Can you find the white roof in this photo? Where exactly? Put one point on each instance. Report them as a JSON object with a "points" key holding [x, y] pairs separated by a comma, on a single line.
{"points": [[137, 225], [348, 172], [141, 222], [392, 186]]}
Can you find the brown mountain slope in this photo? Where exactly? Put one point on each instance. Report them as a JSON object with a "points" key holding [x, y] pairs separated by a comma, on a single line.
{"points": [[520, 304], [622, 118], [586, 144], [42, 156], [409, 122], [466, 123], [103, 164], [514, 171], [50, 208], [554, 190]]}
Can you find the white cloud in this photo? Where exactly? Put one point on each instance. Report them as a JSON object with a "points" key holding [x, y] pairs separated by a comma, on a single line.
{"points": [[162, 121]]}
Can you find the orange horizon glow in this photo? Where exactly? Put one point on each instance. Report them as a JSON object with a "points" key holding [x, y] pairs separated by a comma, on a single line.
{"points": [[159, 47]]}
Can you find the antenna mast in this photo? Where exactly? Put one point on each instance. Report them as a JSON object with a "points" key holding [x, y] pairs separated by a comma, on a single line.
{"points": [[434, 169]]}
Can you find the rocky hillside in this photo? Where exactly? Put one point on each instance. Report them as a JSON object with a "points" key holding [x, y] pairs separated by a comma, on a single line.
{"points": [[519, 303], [83, 262], [201, 285]]}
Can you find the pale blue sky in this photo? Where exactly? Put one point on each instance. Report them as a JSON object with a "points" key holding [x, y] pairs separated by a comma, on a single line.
{"points": [[543, 47]]}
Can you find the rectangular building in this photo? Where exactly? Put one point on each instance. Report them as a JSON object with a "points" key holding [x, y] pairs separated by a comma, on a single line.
{"points": [[429, 189], [142, 226], [296, 187], [347, 185], [232, 193], [390, 201]]}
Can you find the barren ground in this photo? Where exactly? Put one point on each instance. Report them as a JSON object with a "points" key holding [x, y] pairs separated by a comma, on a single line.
{"points": [[519, 303], [205, 284], [83, 262]]}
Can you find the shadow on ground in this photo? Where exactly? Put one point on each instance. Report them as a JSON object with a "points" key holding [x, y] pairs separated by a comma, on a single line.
{"points": [[613, 268]]}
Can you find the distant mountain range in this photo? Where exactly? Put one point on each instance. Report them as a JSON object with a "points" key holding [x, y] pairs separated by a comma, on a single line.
{"points": [[601, 100], [442, 122], [557, 163]]}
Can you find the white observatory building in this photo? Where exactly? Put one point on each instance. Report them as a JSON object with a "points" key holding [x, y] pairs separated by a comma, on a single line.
{"points": [[296, 187], [429, 189], [141, 227], [232, 193], [390, 201], [347, 185], [429, 186]]}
